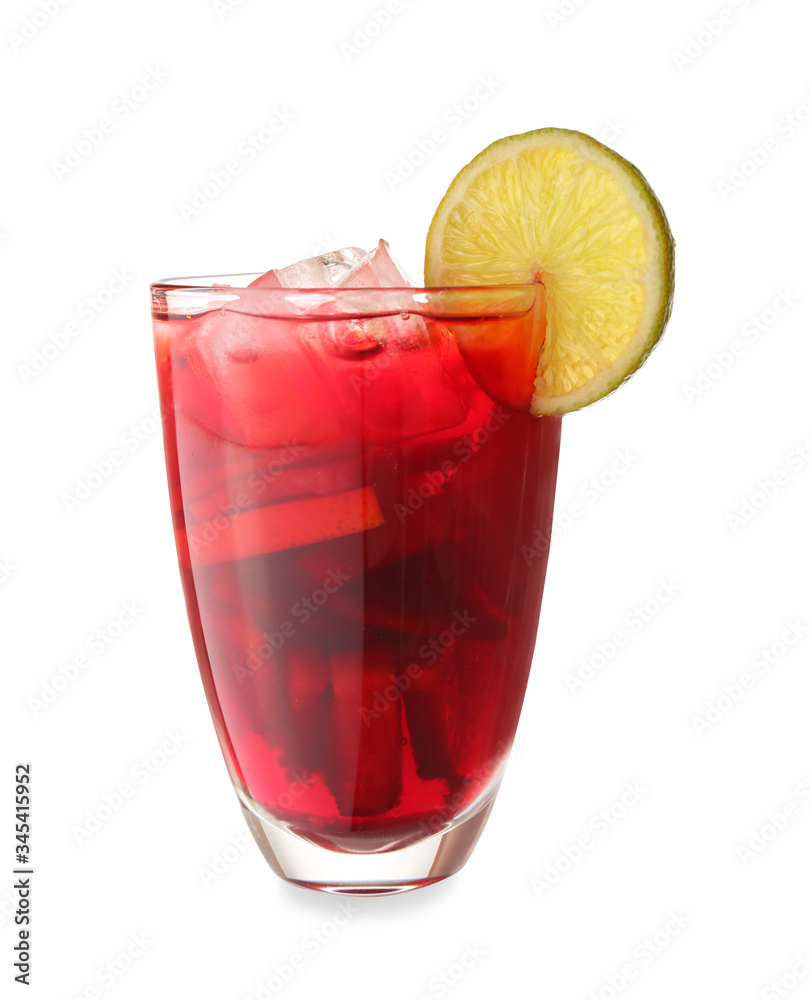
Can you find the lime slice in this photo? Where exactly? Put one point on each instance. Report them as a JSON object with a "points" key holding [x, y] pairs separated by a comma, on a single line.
{"points": [[559, 208]]}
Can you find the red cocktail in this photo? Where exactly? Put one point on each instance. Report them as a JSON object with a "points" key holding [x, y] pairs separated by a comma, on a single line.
{"points": [[357, 526]]}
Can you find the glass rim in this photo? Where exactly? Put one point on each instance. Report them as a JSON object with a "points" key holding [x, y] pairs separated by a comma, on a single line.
{"points": [[232, 293]]}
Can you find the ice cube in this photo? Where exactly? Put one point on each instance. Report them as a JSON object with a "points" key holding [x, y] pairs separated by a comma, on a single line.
{"points": [[251, 380], [350, 267], [429, 723], [365, 763], [261, 382], [306, 678], [377, 269], [324, 271], [267, 280], [404, 390]]}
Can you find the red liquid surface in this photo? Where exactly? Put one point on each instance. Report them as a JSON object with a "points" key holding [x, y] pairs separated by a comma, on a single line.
{"points": [[362, 536]]}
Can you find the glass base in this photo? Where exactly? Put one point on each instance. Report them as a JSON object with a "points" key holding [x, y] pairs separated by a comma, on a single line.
{"points": [[300, 862]]}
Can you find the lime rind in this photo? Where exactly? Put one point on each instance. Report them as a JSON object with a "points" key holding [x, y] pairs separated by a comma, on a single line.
{"points": [[560, 206]]}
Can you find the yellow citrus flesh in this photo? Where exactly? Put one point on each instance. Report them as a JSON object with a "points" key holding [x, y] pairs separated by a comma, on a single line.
{"points": [[558, 207]]}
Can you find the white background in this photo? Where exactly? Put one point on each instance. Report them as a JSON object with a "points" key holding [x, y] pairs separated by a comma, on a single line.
{"points": [[691, 105]]}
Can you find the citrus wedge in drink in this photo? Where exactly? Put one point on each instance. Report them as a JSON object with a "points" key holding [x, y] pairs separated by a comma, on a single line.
{"points": [[558, 208]]}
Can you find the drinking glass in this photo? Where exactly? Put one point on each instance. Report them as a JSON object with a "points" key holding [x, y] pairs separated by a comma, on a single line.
{"points": [[362, 535]]}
